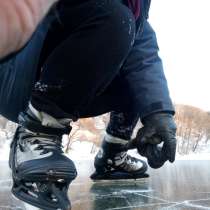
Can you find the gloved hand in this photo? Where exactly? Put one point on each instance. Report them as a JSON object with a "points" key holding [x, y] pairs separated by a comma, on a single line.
{"points": [[158, 127]]}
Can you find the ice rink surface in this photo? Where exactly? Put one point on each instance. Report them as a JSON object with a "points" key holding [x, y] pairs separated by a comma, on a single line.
{"points": [[184, 185]]}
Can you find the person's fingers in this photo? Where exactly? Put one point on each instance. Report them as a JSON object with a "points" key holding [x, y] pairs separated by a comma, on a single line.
{"points": [[154, 140], [145, 135], [147, 143], [167, 133], [169, 149], [172, 142], [155, 156]]}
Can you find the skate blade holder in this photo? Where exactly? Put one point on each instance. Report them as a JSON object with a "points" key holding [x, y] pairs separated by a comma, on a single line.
{"points": [[118, 177], [45, 196]]}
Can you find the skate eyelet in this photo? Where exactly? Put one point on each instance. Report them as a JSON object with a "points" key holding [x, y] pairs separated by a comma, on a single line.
{"points": [[109, 161], [61, 180], [51, 172]]}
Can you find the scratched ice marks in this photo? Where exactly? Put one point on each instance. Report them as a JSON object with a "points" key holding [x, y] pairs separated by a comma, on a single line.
{"points": [[184, 185]]}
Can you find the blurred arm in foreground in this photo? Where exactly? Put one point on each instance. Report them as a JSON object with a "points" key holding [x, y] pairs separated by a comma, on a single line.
{"points": [[18, 21]]}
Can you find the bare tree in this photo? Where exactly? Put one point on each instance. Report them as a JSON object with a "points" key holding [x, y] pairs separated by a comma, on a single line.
{"points": [[193, 125]]}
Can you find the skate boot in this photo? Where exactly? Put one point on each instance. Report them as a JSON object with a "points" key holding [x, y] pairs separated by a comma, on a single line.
{"points": [[41, 172], [112, 162]]}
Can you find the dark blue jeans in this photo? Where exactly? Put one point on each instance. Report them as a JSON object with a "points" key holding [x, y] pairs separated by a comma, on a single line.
{"points": [[86, 58], [81, 64]]}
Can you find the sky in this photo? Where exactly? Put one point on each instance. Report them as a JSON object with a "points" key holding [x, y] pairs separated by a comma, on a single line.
{"points": [[183, 32]]}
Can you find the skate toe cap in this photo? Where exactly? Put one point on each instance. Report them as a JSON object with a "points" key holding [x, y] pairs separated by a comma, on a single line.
{"points": [[59, 167]]}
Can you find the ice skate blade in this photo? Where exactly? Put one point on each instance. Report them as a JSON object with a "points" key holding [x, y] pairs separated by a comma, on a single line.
{"points": [[118, 176], [38, 201]]}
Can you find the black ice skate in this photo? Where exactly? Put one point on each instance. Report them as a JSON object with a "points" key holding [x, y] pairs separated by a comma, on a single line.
{"points": [[113, 163], [41, 172]]}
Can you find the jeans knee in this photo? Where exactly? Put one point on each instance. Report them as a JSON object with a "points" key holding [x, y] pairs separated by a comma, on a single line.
{"points": [[121, 22]]}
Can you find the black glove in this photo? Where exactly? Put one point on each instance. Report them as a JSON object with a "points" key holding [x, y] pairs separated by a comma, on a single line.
{"points": [[158, 127]]}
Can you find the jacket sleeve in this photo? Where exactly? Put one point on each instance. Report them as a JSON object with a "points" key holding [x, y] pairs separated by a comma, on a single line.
{"points": [[144, 75]]}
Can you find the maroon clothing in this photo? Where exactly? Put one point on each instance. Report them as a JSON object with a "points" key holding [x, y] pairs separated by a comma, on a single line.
{"points": [[134, 5]]}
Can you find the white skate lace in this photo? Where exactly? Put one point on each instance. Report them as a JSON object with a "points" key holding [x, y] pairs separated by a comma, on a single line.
{"points": [[42, 142], [127, 162]]}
